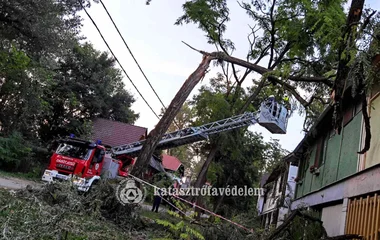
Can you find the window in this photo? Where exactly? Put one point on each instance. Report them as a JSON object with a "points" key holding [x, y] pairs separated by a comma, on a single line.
{"points": [[74, 151], [358, 108], [281, 181], [274, 188], [319, 156], [301, 170], [275, 216], [351, 111], [348, 115], [98, 156]]}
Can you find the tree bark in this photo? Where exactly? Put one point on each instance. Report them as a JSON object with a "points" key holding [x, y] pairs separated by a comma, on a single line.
{"points": [[221, 198], [156, 134], [201, 179], [346, 45]]}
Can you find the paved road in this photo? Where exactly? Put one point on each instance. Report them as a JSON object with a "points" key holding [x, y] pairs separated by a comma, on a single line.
{"points": [[16, 183]]}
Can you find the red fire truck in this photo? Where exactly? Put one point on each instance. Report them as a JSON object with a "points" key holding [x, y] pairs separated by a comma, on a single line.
{"points": [[86, 162], [82, 161]]}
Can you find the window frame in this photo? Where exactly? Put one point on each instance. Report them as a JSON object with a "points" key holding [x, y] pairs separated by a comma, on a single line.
{"points": [[320, 152]]}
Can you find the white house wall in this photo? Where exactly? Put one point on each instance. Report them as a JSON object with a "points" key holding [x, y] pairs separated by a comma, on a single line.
{"points": [[271, 202], [260, 204], [332, 219], [291, 186]]}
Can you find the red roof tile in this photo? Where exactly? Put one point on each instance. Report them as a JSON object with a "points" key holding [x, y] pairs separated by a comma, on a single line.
{"points": [[116, 133], [170, 162]]}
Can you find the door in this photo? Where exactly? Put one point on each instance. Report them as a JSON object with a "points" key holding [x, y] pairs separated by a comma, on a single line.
{"points": [[96, 164]]}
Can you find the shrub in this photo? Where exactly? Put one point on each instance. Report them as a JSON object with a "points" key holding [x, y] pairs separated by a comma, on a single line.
{"points": [[13, 151]]}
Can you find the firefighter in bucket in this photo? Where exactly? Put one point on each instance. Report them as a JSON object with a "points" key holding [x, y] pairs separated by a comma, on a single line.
{"points": [[287, 105], [276, 108], [272, 105]]}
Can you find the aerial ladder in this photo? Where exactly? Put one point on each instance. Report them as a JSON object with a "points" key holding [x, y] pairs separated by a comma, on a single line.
{"points": [[85, 162], [272, 115]]}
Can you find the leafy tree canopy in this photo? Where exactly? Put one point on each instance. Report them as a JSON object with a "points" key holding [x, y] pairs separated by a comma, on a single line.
{"points": [[51, 84]]}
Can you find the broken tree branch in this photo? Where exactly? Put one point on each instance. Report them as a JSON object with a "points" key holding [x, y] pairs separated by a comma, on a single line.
{"points": [[346, 45], [156, 134], [259, 69]]}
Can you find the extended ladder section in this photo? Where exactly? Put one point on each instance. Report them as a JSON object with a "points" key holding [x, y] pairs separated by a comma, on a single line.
{"points": [[192, 134], [272, 116]]}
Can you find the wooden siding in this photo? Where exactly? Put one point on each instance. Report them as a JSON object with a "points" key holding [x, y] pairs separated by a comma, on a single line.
{"points": [[372, 156], [363, 217], [340, 159]]}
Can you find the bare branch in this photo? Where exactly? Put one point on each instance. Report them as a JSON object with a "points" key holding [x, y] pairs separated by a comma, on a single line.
{"points": [[192, 47], [272, 34], [254, 95], [261, 70], [281, 55], [290, 89], [251, 43], [316, 98], [366, 21]]}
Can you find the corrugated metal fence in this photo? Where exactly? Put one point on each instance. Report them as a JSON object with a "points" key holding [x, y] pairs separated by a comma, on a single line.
{"points": [[363, 217]]}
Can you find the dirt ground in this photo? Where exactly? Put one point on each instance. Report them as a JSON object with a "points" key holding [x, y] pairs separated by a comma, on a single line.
{"points": [[16, 183]]}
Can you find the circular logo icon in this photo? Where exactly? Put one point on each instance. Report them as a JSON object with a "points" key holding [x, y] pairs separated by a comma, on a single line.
{"points": [[96, 166], [130, 192]]}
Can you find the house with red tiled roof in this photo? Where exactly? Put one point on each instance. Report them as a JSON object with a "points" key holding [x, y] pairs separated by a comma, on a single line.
{"points": [[172, 164], [115, 133]]}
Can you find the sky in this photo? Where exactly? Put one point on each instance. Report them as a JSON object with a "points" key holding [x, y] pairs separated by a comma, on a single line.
{"points": [[157, 45]]}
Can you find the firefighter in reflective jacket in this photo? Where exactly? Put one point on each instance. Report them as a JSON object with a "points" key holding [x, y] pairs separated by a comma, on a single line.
{"points": [[287, 105]]}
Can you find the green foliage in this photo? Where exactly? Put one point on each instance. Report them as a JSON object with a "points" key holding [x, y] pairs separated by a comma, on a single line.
{"points": [[242, 154], [184, 119], [13, 150], [296, 38], [180, 230], [89, 84], [57, 211], [51, 29], [210, 15], [51, 84]]}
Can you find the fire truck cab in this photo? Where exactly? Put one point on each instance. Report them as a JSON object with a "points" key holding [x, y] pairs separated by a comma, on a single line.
{"points": [[77, 160]]}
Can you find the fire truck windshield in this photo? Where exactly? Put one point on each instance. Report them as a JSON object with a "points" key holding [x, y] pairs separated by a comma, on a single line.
{"points": [[75, 151]]}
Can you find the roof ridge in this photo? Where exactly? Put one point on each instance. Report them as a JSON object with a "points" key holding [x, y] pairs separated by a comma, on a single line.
{"points": [[120, 122]]}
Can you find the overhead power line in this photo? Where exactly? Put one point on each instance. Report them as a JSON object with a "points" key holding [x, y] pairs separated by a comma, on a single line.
{"points": [[121, 66], [129, 50], [117, 29]]}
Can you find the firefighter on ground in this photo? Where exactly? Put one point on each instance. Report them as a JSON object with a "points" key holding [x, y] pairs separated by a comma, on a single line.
{"points": [[157, 201]]}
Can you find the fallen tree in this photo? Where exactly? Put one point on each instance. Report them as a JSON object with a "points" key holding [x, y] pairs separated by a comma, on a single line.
{"points": [[308, 226]]}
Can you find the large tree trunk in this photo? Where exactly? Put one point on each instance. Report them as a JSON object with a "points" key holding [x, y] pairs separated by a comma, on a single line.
{"points": [[346, 46], [221, 198], [156, 134], [201, 179]]}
